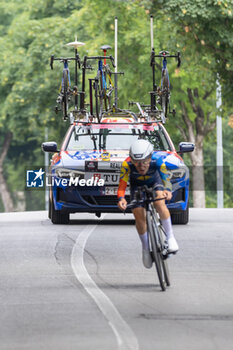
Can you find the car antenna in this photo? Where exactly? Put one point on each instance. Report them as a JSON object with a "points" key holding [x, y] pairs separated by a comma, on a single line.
{"points": [[152, 63], [115, 75]]}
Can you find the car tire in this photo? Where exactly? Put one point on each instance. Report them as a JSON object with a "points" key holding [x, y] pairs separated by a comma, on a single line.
{"points": [[49, 212], [181, 218], [57, 217]]}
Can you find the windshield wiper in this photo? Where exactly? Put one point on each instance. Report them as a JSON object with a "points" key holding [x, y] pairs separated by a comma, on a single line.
{"points": [[94, 138], [102, 145]]}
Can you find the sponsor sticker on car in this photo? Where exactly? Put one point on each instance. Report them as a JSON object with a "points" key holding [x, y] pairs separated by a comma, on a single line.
{"points": [[109, 178]]}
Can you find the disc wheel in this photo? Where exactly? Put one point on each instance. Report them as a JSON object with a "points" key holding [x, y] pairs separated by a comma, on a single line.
{"points": [[65, 94], [165, 93]]}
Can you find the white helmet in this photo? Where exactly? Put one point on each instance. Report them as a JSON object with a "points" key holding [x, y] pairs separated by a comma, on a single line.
{"points": [[140, 149]]}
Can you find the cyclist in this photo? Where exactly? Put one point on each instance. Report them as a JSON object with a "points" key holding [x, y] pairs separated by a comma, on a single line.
{"points": [[144, 168]]}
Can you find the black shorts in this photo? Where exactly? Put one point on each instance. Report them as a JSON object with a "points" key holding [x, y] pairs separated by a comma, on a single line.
{"points": [[157, 185]]}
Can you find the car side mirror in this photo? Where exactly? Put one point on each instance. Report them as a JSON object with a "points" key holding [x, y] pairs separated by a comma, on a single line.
{"points": [[185, 147], [49, 147]]}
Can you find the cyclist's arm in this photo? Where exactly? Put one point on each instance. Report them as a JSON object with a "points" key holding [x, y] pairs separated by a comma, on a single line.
{"points": [[121, 189], [165, 176], [124, 177], [167, 194]]}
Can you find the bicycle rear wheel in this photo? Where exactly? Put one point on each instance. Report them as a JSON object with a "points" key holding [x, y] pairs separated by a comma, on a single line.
{"points": [[65, 88], [153, 238], [165, 93]]}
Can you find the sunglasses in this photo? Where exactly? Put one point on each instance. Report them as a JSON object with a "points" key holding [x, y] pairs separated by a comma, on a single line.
{"points": [[142, 162]]}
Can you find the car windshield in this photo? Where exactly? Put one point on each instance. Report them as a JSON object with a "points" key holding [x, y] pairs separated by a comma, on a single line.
{"points": [[115, 136]]}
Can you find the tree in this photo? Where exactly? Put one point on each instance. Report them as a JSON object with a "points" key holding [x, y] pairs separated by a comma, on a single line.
{"points": [[6, 198], [32, 33], [203, 33], [208, 24], [27, 40], [33, 30]]}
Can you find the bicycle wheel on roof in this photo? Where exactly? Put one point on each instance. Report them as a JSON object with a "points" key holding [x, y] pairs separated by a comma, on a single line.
{"points": [[65, 89], [165, 87]]}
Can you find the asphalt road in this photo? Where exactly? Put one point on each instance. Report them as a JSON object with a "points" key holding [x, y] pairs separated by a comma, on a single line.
{"points": [[83, 286]]}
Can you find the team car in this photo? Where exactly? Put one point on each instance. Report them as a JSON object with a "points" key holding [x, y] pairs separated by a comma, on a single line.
{"points": [[85, 172]]}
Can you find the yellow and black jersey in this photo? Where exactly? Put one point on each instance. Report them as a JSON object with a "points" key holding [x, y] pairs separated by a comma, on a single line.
{"points": [[157, 174]]}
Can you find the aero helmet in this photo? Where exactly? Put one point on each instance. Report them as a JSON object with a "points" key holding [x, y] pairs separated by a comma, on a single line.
{"points": [[140, 149]]}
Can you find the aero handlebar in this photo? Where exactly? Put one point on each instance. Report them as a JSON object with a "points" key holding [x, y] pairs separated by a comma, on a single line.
{"points": [[165, 54]]}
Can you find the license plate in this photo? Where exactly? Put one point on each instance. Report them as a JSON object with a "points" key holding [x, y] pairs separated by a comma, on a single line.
{"points": [[112, 191]]}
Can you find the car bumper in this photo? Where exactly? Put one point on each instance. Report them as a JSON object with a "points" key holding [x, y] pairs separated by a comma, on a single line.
{"points": [[74, 199]]}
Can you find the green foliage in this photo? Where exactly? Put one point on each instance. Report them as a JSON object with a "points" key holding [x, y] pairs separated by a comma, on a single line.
{"points": [[208, 24], [32, 30]]}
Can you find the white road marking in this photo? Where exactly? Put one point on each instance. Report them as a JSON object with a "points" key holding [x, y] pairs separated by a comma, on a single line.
{"points": [[125, 337]]}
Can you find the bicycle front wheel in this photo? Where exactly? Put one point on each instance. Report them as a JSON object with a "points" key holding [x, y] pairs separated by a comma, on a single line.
{"points": [[65, 88], [161, 235], [154, 240]]}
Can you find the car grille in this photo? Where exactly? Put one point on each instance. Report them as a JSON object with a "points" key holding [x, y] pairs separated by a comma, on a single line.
{"points": [[62, 196], [179, 195], [93, 200], [102, 200]]}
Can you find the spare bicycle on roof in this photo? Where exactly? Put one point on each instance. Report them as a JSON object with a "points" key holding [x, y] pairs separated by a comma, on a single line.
{"points": [[101, 88], [160, 95]]}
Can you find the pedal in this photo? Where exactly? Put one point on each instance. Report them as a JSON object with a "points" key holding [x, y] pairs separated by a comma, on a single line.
{"points": [[165, 254]]}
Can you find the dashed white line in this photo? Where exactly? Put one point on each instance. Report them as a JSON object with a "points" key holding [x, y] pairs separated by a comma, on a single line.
{"points": [[126, 339]]}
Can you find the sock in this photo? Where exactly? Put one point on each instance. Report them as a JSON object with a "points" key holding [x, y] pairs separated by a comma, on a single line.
{"points": [[144, 240], [167, 225]]}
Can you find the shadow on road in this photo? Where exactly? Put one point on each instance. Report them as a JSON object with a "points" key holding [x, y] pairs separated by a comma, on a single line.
{"points": [[102, 222]]}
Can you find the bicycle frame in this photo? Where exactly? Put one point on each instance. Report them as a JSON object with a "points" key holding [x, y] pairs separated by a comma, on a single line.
{"points": [[164, 72], [148, 203], [66, 67]]}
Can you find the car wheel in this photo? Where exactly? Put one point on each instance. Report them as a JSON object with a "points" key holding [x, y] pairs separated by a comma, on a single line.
{"points": [[57, 217], [181, 218]]}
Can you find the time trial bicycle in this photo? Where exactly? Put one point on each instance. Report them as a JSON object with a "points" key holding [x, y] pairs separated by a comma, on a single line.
{"points": [[163, 92], [65, 91], [99, 83], [156, 234], [107, 89]]}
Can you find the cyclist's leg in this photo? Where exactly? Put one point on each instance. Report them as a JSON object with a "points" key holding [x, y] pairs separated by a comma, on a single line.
{"points": [[139, 213], [161, 207], [140, 221]]}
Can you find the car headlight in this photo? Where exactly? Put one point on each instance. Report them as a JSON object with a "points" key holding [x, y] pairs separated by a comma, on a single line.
{"points": [[177, 173], [68, 173]]}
